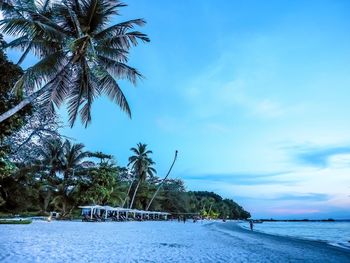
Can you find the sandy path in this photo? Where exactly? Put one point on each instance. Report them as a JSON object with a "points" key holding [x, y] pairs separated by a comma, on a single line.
{"points": [[154, 242]]}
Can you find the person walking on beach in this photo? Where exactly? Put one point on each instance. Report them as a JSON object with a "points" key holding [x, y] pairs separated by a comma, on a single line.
{"points": [[251, 225]]}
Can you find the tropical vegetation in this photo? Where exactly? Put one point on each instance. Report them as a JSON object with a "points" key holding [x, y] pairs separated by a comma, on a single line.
{"points": [[79, 57]]}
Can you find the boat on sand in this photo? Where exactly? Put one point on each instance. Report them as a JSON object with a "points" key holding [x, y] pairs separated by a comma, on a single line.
{"points": [[16, 221]]}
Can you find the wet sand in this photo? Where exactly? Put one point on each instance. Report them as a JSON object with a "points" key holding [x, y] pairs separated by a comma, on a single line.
{"points": [[261, 247], [155, 242]]}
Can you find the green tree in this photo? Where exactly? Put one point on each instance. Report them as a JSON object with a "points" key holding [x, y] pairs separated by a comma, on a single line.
{"points": [[79, 56], [211, 204], [172, 197], [141, 165], [10, 73], [63, 164], [72, 164], [101, 186]]}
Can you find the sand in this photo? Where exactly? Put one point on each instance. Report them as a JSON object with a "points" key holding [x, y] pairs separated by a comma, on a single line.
{"points": [[155, 242]]}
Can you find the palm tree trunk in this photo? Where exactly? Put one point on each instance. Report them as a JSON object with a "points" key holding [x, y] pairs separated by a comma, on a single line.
{"points": [[133, 197], [4, 116], [47, 200], [210, 208], [127, 195], [64, 207], [160, 185]]}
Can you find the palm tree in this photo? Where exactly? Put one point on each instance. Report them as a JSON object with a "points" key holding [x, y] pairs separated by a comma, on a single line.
{"points": [[141, 165], [50, 157], [63, 163], [80, 57], [73, 162]]}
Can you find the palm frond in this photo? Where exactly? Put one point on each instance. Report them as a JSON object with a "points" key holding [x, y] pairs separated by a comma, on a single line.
{"points": [[45, 70], [10, 9], [110, 87], [97, 13], [82, 96], [16, 26], [119, 70], [119, 29], [116, 54], [38, 46]]}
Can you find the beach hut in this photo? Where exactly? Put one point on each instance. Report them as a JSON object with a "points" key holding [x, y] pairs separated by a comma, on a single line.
{"points": [[121, 210], [91, 210], [165, 215], [118, 212], [107, 209]]}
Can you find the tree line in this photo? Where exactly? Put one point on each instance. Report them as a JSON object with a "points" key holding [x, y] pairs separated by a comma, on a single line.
{"points": [[62, 176]]}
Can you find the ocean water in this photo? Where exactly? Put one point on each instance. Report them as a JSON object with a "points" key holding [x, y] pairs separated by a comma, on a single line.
{"points": [[334, 233]]}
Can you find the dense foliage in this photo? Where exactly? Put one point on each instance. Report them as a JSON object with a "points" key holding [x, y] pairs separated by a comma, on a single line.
{"points": [[65, 175], [10, 73]]}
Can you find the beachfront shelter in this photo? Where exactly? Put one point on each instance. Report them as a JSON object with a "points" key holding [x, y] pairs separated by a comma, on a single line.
{"points": [[120, 210], [91, 210], [106, 211]]}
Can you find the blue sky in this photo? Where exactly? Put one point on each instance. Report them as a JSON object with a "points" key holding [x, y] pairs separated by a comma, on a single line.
{"points": [[253, 94]]}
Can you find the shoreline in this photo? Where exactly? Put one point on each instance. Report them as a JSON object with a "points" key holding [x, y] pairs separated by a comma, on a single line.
{"points": [[313, 249], [337, 245]]}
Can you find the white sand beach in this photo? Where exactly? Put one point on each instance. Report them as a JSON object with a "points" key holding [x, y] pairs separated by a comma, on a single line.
{"points": [[155, 242]]}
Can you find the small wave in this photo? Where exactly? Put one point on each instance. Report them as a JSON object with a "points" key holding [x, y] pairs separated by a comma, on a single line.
{"points": [[300, 236]]}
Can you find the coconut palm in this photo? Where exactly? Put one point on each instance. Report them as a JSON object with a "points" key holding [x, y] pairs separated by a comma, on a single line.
{"points": [[80, 57], [141, 165], [72, 164], [65, 162], [50, 157]]}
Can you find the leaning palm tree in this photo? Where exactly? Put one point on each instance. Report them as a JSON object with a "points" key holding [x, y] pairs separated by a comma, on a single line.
{"points": [[141, 165], [80, 57], [131, 177], [162, 182]]}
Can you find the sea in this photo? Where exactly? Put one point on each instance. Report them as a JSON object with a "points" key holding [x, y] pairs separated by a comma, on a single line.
{"points": [[335, 233]]}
